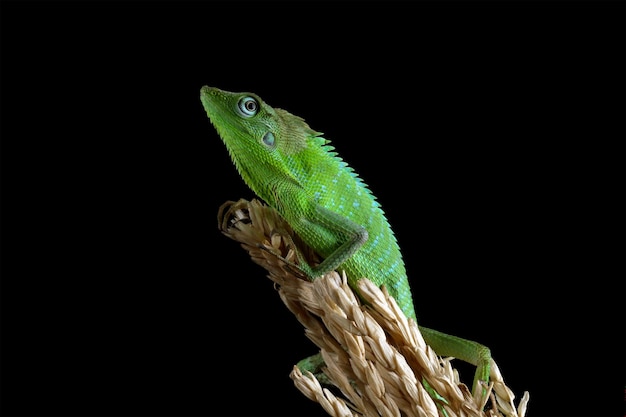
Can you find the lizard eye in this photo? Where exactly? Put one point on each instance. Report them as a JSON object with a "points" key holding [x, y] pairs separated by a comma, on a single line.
{"points": [[248, 106], [268, 139]]}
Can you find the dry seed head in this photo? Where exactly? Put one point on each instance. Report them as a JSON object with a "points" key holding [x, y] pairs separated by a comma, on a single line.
{"points": [[374, 355]]}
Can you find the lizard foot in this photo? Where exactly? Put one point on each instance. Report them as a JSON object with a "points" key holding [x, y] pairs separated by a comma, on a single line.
{"points": [[315, 364]]}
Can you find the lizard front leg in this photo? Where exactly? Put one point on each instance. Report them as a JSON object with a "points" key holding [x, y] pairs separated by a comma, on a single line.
{"points": [[327, 226]]}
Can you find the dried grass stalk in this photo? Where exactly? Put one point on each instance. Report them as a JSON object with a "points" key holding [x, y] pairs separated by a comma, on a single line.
{"points": [[375, 357]]}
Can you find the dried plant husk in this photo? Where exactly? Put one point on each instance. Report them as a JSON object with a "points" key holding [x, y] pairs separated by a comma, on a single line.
{"points": [[376, 360]]}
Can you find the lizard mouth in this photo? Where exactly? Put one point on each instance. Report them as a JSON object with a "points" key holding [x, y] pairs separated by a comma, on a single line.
{"points": [[209, 102], [212, 100]]}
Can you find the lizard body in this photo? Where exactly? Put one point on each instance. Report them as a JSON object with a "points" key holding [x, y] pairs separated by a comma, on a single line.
{"points": [[296, 171]]}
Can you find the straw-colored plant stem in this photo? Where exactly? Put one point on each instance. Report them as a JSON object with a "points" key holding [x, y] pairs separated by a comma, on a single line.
{"points": [[375, 357]]}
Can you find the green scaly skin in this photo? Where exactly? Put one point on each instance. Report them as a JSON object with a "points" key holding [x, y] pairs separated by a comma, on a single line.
{"points": [[295, 171]]}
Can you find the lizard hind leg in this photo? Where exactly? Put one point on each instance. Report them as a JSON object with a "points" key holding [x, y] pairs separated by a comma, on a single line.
{"points": [[315, 364], [465, 350]]}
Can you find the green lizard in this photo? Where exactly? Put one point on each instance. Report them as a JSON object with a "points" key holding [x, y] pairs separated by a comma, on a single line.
{"points": [[295, 170]]}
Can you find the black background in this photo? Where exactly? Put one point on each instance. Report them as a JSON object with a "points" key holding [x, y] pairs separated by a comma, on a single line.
{"points": [[492, 134]]}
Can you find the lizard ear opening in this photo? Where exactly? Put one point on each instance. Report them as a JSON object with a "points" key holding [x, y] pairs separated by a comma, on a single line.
{"points": [[294, 131], [269, 140]]}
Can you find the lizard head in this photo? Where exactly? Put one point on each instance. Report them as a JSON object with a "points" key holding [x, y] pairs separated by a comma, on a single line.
{"points": [[262, 141]]}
